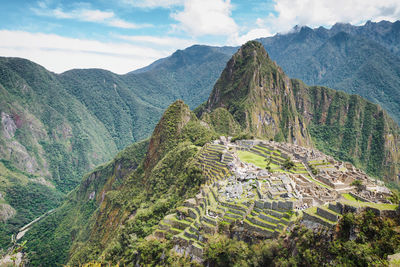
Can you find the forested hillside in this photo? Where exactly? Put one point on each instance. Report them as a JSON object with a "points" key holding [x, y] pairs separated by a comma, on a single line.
{"points": [[362, 60], [111, 215], [55, 128]]}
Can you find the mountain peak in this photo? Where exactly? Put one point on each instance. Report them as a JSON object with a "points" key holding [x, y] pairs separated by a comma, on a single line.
{"points": [[237, 79], [165, 134], [258, 94]]}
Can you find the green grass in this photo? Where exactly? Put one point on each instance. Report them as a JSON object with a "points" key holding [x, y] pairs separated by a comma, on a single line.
{"points": [[313, 211], [258, 226], [253, 158], [347, 196], [380, 206]]}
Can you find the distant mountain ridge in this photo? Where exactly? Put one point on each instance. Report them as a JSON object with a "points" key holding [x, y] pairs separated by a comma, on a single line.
{"points": [[363, 60]]}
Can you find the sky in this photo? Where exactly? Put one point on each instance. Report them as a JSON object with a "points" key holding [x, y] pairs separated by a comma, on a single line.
{"points": [[124, 35]]}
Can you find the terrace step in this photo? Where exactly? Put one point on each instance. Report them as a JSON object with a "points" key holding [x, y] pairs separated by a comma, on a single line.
{"points": [[328, 214], [311, 215], [268, 233]]}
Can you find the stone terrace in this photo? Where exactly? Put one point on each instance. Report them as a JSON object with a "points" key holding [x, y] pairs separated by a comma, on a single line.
{"points": [[251, 201]]}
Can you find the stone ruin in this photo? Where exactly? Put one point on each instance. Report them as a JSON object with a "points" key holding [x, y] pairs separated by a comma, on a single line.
{"points": [[248, 201]]}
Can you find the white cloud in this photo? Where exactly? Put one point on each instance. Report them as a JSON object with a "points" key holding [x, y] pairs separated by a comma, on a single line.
{"points": [[251, 35], [315, 13], [159, 41], [206, 17], [153, 3], [59, 54], [86, 14]]}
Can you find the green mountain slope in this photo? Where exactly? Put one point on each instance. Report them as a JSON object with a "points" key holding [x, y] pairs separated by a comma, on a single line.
{"points": [[360, 60], [72, 223], [48, 140], [125, 195], [266, 103], [108, 217], [257, 94], [54, 128], [125, 115], [187, 74]]}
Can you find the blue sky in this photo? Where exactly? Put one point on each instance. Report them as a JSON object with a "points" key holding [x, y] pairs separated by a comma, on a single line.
{"points": [[123, 35]]}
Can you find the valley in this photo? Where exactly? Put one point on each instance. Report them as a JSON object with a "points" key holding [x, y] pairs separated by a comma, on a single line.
{"points": [[249, 159]]}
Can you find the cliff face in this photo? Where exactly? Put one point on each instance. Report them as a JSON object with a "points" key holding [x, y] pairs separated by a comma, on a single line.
{"points": [[351, 128], [259, 96]]}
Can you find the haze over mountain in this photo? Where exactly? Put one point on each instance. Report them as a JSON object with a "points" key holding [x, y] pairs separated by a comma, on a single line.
{"points": [[120, 203]]}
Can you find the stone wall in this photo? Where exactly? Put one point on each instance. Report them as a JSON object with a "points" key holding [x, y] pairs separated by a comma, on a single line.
{"points": [[309, 217], [325, 181], [336, 208], [358, 197], [265, 233], [327, 215]]}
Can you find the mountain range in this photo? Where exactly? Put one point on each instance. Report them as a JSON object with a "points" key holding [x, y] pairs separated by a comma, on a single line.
{"points": [[109, 216], [57, 127]]}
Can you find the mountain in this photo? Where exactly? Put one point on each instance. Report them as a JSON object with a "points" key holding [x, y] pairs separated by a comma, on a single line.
{"points": [[114, 214], [363, 60], [48, 140], [56, 127], [187, 74], [258, 95], [136, 189], [268, 104]]}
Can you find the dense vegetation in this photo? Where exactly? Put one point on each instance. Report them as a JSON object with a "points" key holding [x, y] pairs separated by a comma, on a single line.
{"points": [[26, 196], [67, 124], [74, 220], [351, 129], [359, 240], [363, 60], [133, 201]]}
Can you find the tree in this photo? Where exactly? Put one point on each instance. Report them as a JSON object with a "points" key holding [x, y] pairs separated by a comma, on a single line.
{"points": [[358, 184], [17, 249], [288, 164]]}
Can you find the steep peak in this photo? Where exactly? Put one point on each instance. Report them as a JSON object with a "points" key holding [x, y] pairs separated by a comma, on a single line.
{"points": [[259, 95], [237, 79], [252, 51], [166, 133]]}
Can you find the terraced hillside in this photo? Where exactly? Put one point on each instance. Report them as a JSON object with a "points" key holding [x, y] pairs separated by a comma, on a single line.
{"points": [[255, 189]]}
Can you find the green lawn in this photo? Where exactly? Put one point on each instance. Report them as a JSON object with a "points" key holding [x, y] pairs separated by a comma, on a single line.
{"points": [[379, 206], [257, 160]]}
